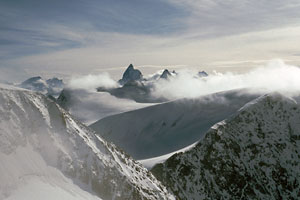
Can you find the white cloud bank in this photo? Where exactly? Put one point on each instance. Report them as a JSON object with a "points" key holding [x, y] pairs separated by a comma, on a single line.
{"points": [[91, 82], [275, 76], [90, 106]]}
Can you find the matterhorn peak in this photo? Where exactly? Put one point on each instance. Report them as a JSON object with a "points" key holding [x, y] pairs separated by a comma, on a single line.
{"points": [[130, 67], [130, 74]]}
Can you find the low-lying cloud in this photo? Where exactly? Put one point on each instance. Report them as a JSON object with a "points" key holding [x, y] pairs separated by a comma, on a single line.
{"points": [[91, 82], [275, 76], [90, 106]]}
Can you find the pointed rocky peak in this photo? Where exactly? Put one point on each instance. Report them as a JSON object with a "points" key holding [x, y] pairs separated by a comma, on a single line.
{"points": [[166, 74], [130, 67], [130, 74]]}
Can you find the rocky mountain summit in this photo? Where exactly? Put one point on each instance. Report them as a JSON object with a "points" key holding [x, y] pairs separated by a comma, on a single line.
{"points": [[131, 74]]}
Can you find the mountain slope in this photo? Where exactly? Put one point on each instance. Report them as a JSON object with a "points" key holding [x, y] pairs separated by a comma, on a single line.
{"points": [[150, 162], [253, 155], [167, 127], [41, 144]]}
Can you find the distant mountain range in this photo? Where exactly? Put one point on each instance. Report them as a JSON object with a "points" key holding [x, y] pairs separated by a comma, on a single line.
{"points": [[136, 92], [134, 86], [51, 86]]}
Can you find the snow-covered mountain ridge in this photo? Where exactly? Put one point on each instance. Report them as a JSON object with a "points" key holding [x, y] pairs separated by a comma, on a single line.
{"points": [[41, 143], [252, 155]]}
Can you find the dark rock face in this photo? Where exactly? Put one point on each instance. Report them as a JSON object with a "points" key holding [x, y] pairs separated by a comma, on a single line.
{"points": [[253, 155], [64, 99], [134, 90], [202, 74], [131, 74]]}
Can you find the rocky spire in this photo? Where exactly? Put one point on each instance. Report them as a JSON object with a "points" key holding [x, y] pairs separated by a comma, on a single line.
{"points": [[130, 74]]}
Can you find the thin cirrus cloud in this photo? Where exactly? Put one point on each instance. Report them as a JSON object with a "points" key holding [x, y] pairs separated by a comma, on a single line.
{"points": [[46, 36], [211, 18]]}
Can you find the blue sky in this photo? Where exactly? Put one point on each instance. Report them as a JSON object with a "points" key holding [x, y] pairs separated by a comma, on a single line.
{"points": [[63, 38], [31, 24]]}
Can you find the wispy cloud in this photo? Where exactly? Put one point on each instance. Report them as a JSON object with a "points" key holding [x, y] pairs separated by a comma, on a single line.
{"points": [[212, 18]]}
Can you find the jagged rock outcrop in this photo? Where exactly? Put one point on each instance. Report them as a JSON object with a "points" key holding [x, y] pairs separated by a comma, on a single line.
{"points": [[130, 74]]}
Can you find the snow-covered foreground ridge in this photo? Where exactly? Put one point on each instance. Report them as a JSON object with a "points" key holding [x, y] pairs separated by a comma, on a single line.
{"points": [[253, 155], [42, 145]]}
